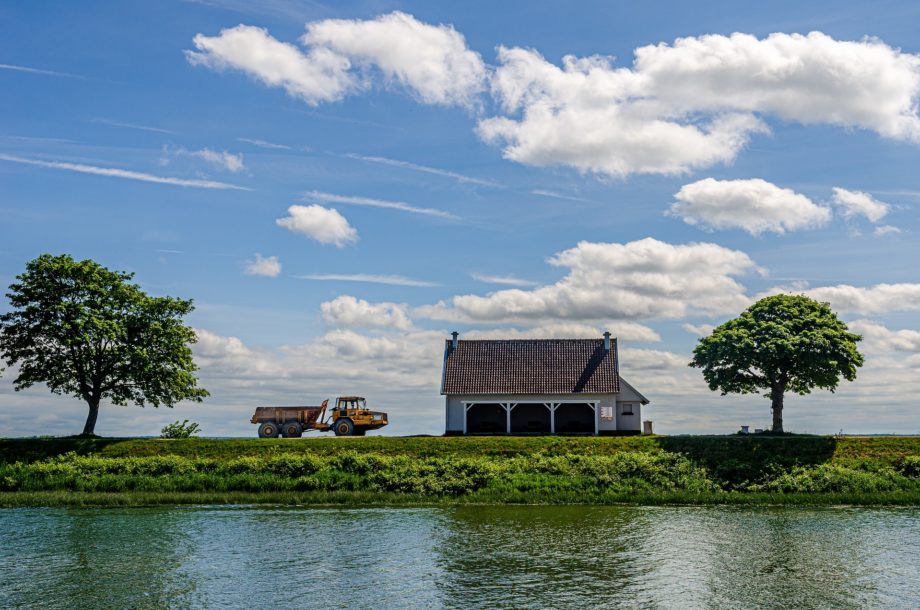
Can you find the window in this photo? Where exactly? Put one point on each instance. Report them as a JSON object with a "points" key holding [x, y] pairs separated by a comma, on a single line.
{"points": [[627, 408], [606, 413]]}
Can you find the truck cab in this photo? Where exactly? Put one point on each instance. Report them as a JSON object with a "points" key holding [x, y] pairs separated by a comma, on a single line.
{"points": [[351, 417], [346, 406]]}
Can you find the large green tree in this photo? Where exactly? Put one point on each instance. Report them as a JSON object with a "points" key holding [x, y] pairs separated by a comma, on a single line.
{"points": [[780, 343], [86, 331]]}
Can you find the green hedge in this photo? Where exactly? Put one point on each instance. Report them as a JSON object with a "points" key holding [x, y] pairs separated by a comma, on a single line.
{"points": [[537, 478]]}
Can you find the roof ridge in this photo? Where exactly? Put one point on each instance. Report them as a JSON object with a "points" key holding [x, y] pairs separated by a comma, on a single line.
{"points": [[531, 339]]}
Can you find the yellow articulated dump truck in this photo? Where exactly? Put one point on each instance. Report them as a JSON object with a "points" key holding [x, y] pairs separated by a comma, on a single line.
{"points": [[349, 417]]}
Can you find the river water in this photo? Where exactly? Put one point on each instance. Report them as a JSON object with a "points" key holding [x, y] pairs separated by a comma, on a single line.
{"points": [[471, 557]]}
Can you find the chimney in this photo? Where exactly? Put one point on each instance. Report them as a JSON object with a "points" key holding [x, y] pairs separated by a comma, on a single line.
{"points": [[453, 342], [607, 341]]}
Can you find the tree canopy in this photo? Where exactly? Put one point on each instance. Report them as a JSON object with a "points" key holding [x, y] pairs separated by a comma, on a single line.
{"points": [[87, 331], [780, 343]]}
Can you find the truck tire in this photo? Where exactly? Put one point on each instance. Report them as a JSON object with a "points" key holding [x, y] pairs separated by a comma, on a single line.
{"points": [[269, 429], [343, 427], [291, 429]]}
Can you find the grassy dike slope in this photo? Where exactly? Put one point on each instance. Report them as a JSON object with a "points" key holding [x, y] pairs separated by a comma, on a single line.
{"points": [[436, 470]]}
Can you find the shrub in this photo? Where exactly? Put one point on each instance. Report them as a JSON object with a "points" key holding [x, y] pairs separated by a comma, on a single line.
{"points": [[910, 466], [834, 478], [182, 429]]}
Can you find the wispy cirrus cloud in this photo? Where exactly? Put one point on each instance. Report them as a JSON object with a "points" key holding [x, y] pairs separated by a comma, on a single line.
{"points": [[555, 195], [392, 280], [30, 70], [114, 172], [263, 143], [133, 126], [503, 280], [378, 203], [462, 178]]}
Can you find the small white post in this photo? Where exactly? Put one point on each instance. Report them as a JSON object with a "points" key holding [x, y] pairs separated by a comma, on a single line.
{"points": [[552, 416]]}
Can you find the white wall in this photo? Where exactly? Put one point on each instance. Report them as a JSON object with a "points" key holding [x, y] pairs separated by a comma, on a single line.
{"points": [[627, 422]]}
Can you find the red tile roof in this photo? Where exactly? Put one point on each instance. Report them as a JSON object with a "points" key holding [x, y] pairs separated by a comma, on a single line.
{"points": [[530, 366]]}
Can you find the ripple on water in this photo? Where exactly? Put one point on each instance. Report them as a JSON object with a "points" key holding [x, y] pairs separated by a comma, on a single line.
{"points": [[469, 557]]}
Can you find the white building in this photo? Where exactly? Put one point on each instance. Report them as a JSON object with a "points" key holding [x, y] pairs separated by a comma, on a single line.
{"points": [[538, 386]]}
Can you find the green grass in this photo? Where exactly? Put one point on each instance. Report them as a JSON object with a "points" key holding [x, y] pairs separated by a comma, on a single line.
{"points": [[456, 470], [370, 499]]}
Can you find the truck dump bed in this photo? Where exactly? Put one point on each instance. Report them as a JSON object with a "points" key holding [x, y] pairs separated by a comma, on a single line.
{"points": [[307, 416]]}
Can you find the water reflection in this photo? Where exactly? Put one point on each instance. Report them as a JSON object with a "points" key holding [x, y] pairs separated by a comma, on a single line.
{"points": [[289, 558], [516, 557], [75, 559], [680, 558], [471, 557]]}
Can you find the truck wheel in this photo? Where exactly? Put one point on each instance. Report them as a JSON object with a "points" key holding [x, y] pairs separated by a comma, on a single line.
{"points": [[343, 427], [291, 429], [269, 429]]}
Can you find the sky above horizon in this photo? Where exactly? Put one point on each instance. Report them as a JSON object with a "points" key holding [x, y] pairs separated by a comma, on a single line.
{"points": [[340, 185]]}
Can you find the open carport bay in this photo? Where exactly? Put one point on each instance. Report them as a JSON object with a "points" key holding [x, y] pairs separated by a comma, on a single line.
{"points": [[530, 418]]}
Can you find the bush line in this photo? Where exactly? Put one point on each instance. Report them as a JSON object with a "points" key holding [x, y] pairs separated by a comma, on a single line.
{"points": [[353, 477]]}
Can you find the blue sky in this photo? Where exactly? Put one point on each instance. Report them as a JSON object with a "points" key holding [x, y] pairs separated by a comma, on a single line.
{"points": [[450, 154]]}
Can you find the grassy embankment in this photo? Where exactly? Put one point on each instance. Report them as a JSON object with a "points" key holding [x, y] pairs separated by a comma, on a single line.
{"points": [[434, 470]]}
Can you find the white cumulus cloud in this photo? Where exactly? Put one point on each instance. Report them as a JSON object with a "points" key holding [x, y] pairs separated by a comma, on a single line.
{"points": [[678, 107], [317, 76], [325, 225], [624, 331], [341, 56], [878, 338], [351, 312], [433, 62], [700, 330], [881, 298], [268, 266], [753, 205], [883, 230], [610, 281], [232, 162], [857, 203], [696, 102]]}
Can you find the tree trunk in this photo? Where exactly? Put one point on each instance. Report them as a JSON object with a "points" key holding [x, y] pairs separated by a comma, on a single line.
{"points": [[91, 417], [777, 396]]}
